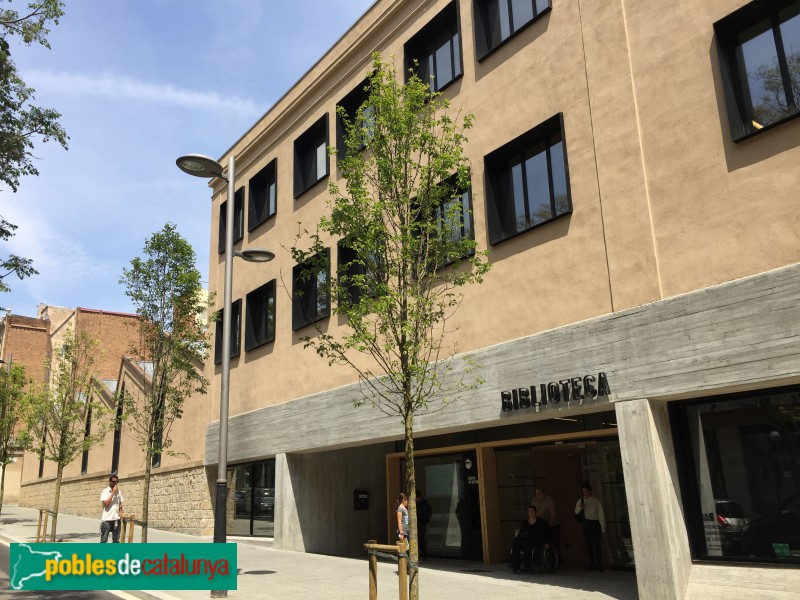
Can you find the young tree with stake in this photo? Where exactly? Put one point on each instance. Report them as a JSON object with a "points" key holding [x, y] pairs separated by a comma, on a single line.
{"points": [[402, 218]]}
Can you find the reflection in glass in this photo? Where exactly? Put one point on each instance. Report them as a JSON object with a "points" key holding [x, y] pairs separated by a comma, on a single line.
{"points": [[790, 34]]}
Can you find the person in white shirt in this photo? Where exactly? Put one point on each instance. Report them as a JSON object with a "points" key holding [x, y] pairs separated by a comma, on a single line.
{"points": [[593, 527], [111, 501]]}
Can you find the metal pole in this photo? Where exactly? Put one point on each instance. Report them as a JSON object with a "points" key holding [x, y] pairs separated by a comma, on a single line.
{"points": [[220, 512]]}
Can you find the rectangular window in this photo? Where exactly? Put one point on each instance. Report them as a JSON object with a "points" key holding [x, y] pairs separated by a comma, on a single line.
{"points": [[238, 219], [311, 295], [350, 104], [759, 50], [236, 332], [740, 475], [87, 431], [351, 274], [311, 156], [498, 20], [527, 181], [436, 49], [117, 432], [263, 201], [157, 441], [260, 319]]}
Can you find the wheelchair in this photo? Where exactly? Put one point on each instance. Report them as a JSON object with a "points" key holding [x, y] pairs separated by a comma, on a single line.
{"points": [[543, 557]]}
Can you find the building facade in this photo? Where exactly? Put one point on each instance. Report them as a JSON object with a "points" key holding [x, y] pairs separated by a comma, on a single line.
{"points": [[634, 178]]}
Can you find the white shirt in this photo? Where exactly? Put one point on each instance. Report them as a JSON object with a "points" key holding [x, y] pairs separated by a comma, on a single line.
{"points": [[110, 513], [592, 510]]}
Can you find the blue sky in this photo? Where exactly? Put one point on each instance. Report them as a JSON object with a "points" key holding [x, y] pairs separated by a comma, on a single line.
{"points": [[139, 84]]}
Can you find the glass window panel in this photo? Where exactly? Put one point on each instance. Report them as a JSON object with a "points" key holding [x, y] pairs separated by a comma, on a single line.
{"points": [[764, 81], [272, 198], [504, 19], [456, 55], [538, 188], [444, 65], [790, 32], [517, 189], [322, 164], [466, 216], [521, 12], [541, 5], [559, 177]]}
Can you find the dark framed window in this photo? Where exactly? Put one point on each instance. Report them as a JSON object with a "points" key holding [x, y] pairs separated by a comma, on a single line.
{"points": [[527, 181], [238, 219], [350, 104], [738, 464], [435, 51], [311, 156], [117, 432], [87, 431], [236, 332], [311, 300], [157, 440], [351, 274], [759, 50], [263, 201], [260, 318], [498, 20], [454, 215]]}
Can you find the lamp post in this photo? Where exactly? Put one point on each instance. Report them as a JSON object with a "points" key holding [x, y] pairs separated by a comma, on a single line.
{"points": [[199, 165]]}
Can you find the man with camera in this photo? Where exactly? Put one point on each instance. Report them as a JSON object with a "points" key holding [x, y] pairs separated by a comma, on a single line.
{"points": [[111, 501]]}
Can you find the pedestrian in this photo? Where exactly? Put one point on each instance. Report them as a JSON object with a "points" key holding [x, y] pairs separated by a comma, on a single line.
{"points": [[402, 519], [594, 525], [424, 514], [533, 533], [111, 501], [546, 510]]}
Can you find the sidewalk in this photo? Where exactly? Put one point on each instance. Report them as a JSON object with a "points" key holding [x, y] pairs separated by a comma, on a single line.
{"points": [[281, 575]]}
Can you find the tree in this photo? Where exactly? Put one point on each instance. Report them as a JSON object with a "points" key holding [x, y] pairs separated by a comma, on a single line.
{"points": [[773, 105], [20, 121], [13, 405], [407, 249], [67, 418], [166, 291]]}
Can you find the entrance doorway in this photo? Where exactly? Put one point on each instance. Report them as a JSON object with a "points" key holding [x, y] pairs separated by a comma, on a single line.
{"points": [[254, 499], [560, 468], [450, 484]]}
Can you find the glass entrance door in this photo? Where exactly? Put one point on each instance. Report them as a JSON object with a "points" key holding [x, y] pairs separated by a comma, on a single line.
{"points": [[254, 499], [450, 484]]}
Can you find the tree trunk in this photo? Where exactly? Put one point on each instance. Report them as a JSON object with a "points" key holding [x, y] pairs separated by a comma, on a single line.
{"points": [[411, 490], [148, 467], [55, 503], [2, 487]]}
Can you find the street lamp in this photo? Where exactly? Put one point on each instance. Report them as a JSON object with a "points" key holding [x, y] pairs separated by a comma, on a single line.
{"points": [[199, 165]]}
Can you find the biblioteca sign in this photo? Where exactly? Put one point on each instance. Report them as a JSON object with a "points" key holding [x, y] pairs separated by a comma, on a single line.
{"points": [[566, 393]]}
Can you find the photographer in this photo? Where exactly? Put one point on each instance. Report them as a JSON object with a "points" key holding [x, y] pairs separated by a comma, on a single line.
{"points": [[111, 501]]}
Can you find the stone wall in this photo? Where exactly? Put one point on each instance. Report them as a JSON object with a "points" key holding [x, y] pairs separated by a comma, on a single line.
{"points": [[180, 499]]}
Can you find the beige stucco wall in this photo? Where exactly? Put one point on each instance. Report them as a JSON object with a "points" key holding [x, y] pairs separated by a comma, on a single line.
{"points": [[663, 202]]}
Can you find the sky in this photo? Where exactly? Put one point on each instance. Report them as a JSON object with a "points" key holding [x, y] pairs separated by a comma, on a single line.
{"points": [[139, 84]]}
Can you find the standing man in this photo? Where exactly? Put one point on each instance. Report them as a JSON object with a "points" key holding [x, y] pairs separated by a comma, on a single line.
{"points": [[424, 514], [546, 510], [111, 501], [594, 525]]}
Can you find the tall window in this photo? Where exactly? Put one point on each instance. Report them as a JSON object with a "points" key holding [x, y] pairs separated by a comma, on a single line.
{"points": [[435, 52], [350, 104], [498, 20], [759, 48], [117, 432], [157, 440], [739, 461], [311, 156], [236, 332], [87, 431], [527, 182], [263, 201], [260, 319], [311, 295], [238, 219]]}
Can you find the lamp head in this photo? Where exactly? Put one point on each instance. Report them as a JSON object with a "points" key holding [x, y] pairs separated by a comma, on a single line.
{"points": [[200, 165], [255, 255]]}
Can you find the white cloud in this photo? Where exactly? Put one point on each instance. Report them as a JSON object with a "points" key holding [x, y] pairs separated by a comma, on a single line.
{"points": [[127, 88]]}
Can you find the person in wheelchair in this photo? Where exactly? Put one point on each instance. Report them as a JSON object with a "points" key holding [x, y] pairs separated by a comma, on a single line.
{"points": [[534, 535]]}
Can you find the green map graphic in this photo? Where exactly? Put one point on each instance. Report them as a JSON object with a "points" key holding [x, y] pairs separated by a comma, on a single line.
{"points": [[30, 564]]}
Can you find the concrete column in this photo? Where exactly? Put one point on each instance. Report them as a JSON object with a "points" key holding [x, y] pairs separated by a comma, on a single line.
{"points": [[660, 541], [288, 535]]}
